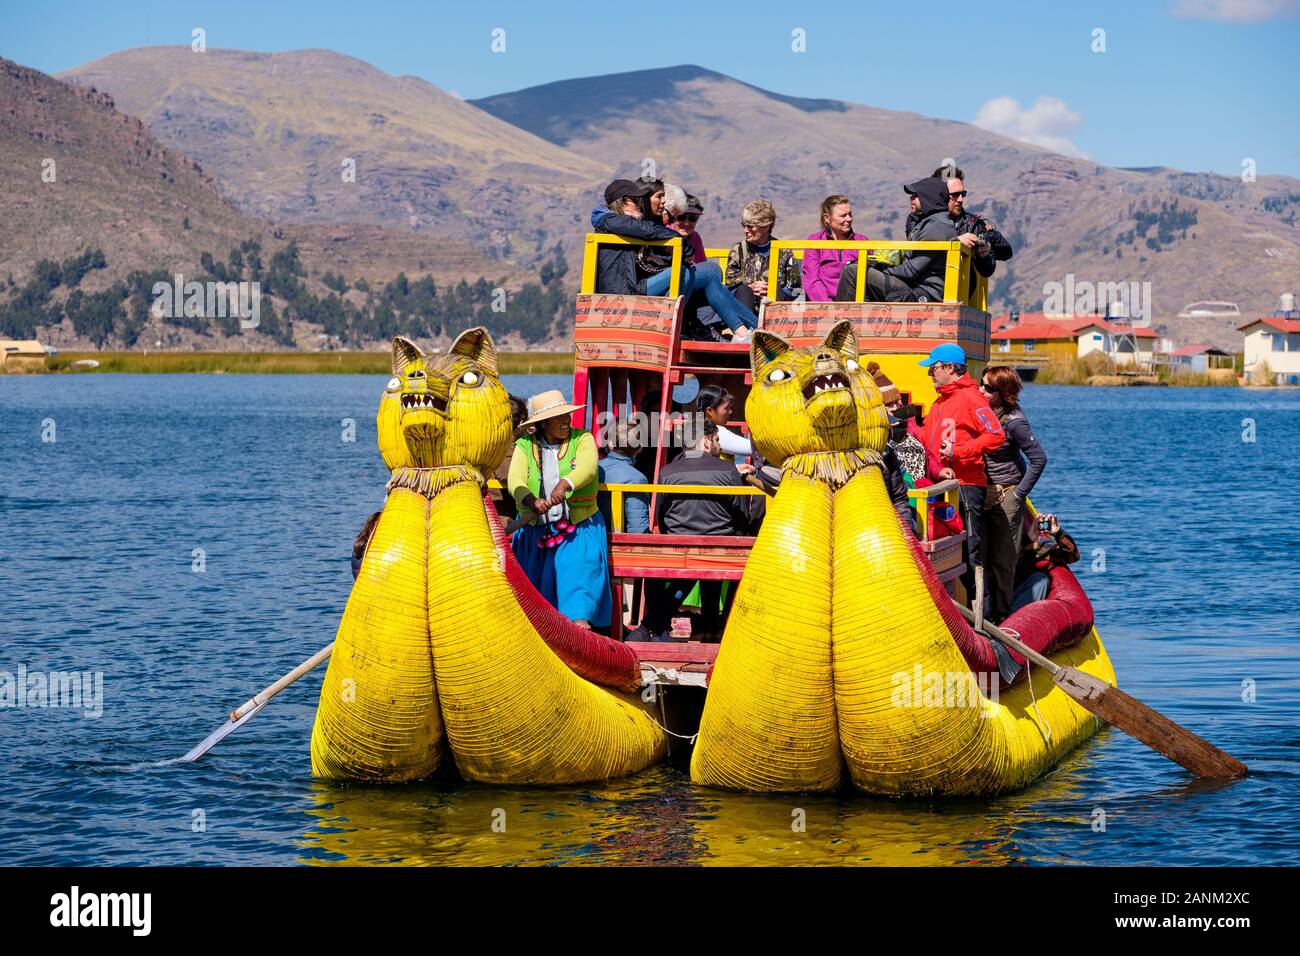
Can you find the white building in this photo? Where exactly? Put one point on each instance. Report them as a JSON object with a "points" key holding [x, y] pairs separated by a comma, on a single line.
{"points": [[1124, 344], [1275, 343], [1199, 358]]}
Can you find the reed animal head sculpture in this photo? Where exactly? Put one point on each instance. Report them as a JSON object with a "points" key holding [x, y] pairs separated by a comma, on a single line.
{"points": [[818, 400], [445, 409]]}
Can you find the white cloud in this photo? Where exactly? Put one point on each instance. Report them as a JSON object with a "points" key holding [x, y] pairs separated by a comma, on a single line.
{"points": [[1048, 123], [1236, 11]]}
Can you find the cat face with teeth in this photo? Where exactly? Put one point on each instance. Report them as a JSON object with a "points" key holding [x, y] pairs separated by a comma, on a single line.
{"points": [[445, 409], [814, 399]]}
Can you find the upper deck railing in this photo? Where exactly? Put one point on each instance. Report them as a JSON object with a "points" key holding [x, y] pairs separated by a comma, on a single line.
{"points": [[595, 240], [957, 284]]}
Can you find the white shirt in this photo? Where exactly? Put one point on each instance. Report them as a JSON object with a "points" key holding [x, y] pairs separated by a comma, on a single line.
{"points": [[734, 444]]}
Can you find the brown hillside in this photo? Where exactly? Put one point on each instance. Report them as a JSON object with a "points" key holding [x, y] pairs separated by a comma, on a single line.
{"points": [[730, 141], [274, 129]]}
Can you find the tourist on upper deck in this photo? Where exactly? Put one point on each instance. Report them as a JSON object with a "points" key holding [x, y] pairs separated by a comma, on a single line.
{"points": [[685, 219], [700, 320], [1043, 550], [618, 467], [673, 206], [960, 429], [822, 267], [749, 259], [701, 282], [616, 266], [919, 277], [1012, 471], [696, 515], [988, 246], [553, 475], [652, 203]]}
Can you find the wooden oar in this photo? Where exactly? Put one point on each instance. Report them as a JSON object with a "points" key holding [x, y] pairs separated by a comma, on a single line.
{"points": [[1127, 713], [251, 707], [514, 524]]}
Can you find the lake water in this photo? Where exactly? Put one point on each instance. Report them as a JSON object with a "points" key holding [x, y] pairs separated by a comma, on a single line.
{"points": [[250, 477]]}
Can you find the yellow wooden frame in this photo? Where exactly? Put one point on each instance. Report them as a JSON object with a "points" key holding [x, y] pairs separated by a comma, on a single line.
{"points": [[597, 239], [957, 266], [617, 490]]}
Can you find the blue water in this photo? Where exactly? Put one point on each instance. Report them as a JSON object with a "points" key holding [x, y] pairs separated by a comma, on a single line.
{"points": [[98, 531]]}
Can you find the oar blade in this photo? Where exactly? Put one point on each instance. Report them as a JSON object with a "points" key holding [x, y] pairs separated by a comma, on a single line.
{"points": [[1152, 728], [220, 734]]}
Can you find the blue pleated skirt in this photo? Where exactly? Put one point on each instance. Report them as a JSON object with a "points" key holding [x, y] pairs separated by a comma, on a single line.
{"points": [[573, 577]]}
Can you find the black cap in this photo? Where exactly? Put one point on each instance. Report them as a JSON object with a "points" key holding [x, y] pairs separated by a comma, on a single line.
{"points": [[693, 205], [625, 187]]}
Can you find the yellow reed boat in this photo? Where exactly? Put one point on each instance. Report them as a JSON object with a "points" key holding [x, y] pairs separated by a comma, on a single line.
{"points": [[843, 650]]}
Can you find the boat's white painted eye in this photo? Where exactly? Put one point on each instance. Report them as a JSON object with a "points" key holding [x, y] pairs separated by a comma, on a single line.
{"points": [[394, 383], [469, 378], [777, 375], [851, 365]]}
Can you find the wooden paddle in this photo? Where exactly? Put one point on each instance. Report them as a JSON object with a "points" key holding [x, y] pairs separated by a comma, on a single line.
{"points": [[1127, 713], [251, 707]]}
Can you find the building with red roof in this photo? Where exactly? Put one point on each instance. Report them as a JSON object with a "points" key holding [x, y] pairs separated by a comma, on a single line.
{"points": [[1272, 349], [1033, 338]]}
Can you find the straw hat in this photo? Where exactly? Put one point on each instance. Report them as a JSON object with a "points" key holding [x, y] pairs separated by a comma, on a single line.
{"points": [[548, 404]]}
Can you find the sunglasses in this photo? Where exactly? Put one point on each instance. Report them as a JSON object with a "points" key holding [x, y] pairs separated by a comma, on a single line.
{"points": [[689, 217], [960, 194]]}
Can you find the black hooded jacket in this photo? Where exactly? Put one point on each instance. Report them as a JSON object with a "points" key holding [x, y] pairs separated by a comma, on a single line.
{"points": [[923, 269]]}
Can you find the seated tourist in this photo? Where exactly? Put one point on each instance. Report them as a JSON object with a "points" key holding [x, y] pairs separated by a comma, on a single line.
{"points": [[618, 468], [673, 204], [695, 515], [749, 259], [987, 245], [652, 203], [714, 402], [919, 277], [1044, 548], [822, 267], [616, 266], [700, 281]]}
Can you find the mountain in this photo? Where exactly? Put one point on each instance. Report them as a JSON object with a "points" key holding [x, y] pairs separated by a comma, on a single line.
{"points": [[730, 141], [514, 174], [277, 129], [77, 175]]}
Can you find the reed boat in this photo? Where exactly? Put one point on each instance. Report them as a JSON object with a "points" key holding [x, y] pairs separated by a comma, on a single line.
{"points": [[844, 652]]}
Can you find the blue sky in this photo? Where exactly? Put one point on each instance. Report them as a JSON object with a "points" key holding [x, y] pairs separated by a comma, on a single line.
{"points": [[1194, 84]]}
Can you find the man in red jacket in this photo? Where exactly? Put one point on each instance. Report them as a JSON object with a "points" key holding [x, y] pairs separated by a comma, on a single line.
{"points": [[959, 429]]}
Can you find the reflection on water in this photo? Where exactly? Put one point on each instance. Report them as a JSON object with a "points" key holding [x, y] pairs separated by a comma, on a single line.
{"points": [[657, 817]]}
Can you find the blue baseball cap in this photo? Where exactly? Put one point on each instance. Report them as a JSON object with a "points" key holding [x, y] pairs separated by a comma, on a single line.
{"points": [[949, 352]]}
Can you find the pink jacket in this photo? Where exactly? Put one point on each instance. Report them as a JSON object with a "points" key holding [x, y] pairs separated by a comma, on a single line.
{"points": [[822, 268]]}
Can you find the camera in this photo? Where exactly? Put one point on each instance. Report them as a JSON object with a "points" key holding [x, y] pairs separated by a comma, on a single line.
{"points": [[1044, 523]]}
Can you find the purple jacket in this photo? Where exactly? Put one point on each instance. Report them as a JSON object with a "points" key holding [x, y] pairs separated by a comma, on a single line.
{"points": [[822, 268]]}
